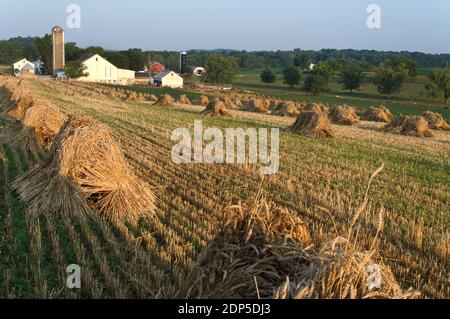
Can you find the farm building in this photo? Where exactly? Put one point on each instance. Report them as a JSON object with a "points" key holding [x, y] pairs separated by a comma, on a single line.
{"points": [[142, 78], [23, 67], [199, 71], [58, 53], [156, 68], [38, 65], [101, 70], [168, 79]]}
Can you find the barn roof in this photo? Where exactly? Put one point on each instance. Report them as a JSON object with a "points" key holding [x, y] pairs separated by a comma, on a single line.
{"points": [[87, 56], [142, 75], [162, 75]]}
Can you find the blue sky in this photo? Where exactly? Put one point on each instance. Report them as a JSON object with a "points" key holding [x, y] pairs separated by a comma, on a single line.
{"points": [[414, 25]]}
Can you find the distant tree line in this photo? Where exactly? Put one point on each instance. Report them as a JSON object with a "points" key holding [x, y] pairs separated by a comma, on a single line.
{"points": [[15, 48]]}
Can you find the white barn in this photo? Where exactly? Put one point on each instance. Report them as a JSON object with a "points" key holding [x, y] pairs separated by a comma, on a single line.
{"points": [[168, 79], [23, 66], [101, 70]]}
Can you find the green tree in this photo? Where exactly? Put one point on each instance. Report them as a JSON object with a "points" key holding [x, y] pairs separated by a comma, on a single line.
{"points": [[352, 77], [303, 60], [335, 65], [75, 69], [402, 63], [10, 51], [72, 52], [439, 84], [119, 59], [319, 78], [389, 78], [267, 76], [292, 76], [45, 49], [315, 83], [136, 59], [324, 69], [220, 69], [96, 49], [186, 70]]}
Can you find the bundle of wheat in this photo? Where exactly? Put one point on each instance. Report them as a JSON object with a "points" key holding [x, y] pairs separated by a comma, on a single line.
{"points": [[228, 103], [338, 271], [436, 121], [183, 99], [274, 105], [286, 109], [151, 98], [165, 100], [377, 114], [317, 108], [131, 96], [256, 105], [409, 125], [86, 170], [202, 100], [41, 124], [250, 257], [267, 103], [17, 110], [112, 94], [344, 115], [237, 101], [216, 108], [46, 119], [313, 124], [140, 97], [5, 97]]}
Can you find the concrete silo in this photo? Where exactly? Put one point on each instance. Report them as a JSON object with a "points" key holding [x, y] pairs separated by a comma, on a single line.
{"points": [[59, 59], [183, 61]]}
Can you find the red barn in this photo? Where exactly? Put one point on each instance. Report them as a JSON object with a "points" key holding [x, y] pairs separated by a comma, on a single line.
{"points": [[157, 67]]}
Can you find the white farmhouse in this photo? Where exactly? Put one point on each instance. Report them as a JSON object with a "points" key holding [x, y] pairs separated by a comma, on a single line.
{"points": [[168, 79], [23, 66], [101, 70]]}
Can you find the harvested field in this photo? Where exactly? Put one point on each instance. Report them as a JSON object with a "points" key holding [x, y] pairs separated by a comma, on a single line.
{"points": [[321, 184]]}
